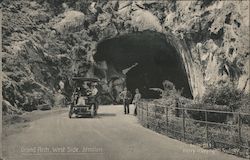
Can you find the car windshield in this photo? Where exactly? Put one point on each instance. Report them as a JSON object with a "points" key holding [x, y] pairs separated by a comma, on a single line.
{"points": [[84, 82]]}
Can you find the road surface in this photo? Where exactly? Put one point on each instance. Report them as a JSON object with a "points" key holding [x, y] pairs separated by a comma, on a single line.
{"points": [[110, 136]]}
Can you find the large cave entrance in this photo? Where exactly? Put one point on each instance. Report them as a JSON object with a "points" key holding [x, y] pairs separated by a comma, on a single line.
{"points": [[150, 60]]}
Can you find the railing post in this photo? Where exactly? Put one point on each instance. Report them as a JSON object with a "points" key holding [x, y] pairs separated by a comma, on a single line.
{"points": [[156, 123], [155, 111], [248, 150], [139, 111], [206, 128], [239, 128], [183, 124], [166, 117], [147, 117], [142, 114]]}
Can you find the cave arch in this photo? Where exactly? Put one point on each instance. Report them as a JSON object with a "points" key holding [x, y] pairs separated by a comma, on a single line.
{"points": [[145, 59]]}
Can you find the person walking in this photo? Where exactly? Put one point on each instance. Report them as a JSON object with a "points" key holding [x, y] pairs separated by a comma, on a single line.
{"points": [[136, 99], [126, 96]]}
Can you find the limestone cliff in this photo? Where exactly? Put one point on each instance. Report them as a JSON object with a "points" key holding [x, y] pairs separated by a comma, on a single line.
{"points": [[45, 41]]}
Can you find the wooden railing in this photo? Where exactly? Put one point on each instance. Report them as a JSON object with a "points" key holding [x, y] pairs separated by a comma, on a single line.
{"points": [[150, 117]]}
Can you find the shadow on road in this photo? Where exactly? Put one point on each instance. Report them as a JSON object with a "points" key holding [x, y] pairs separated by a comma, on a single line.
{"points": [[99, 115], [106, 114]]}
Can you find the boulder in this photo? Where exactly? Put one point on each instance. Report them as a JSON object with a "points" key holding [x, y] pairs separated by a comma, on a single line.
{"points": [[71, 20], [10, 109]]}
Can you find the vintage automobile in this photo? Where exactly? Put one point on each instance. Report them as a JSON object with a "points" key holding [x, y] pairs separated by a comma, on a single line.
{"points": [[83, 102]]}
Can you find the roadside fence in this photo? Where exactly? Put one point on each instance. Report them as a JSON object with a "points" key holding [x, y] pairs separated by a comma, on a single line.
{"points": [[231, 136]]}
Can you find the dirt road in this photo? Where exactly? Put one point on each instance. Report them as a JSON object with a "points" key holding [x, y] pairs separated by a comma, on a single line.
{"points": [[110, 136]]}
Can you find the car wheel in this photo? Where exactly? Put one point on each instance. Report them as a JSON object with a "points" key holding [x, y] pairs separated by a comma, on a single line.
{"points": [[70, 114], [92, 112]]}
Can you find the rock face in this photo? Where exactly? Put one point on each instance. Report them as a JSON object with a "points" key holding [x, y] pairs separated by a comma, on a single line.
{"points": [[48, 41]]}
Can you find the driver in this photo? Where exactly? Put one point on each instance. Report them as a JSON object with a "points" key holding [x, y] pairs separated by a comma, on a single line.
{"points": [[79, 92], [85, 90], [93, 89]]}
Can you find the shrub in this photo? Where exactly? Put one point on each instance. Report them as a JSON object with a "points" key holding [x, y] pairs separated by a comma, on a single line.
{"points": [[223, 94], [226, 94], [211, 116], [245, 103]]}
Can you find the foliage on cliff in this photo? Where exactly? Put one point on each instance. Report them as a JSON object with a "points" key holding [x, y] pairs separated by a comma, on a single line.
{"points": [[45, 41]]}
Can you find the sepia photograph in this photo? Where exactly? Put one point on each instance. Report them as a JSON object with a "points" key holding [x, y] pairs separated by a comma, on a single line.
{"points": [[125, 80]]}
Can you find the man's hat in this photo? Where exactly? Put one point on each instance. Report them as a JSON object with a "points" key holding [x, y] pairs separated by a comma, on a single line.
{"points": [[94, 84]]}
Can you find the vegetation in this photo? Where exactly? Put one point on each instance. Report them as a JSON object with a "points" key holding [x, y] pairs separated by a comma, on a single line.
{"points": [[224, 93], [225, 137], [226, 97]]}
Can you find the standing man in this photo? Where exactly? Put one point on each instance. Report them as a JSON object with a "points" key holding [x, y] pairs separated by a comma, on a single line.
{"points": [[126, 96], [136, 99], [93, 96]]}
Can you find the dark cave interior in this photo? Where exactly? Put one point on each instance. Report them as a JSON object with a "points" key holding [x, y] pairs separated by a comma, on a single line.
{"points": [[156, 61]]}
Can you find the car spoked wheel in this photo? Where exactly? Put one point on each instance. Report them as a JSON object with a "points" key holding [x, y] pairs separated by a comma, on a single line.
{"points": [[70, 114]]}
